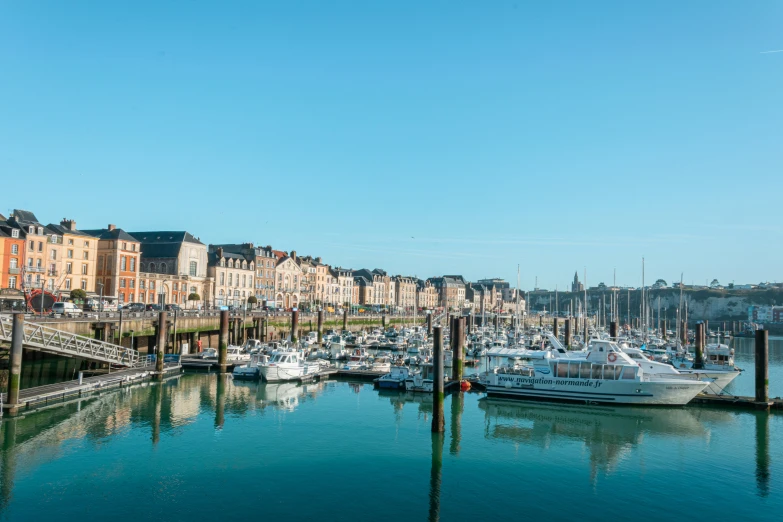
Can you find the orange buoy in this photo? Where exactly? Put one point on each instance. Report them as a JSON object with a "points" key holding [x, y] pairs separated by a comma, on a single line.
{"points": [[464, 386]]}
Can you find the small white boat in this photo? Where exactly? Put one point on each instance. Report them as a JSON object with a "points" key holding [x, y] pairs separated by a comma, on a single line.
{"points": [[251, 369], [236, 354], [395, 379], [287, 366], [381, 364]]}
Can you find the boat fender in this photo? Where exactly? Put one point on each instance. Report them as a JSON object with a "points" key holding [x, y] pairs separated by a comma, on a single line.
{"points": [[612, 357]]}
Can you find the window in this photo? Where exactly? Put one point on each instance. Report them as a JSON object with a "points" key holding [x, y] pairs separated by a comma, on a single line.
{"points": [[192, 289], [84, 269], [175, 286], [222, 262], [53, 254], [32, 246], [87, 244], [84, 284], [133, 264], [68, 268], [193, 267], [141, 296], [40, 246], [609, 371], [222, 278], [70, 241], [244, 281], [133, 247], [122, 283], [230, 279], [14, 263], [152, 285], [86, 255], [70, 254], [125, 246], [30, 262], [100, 263], [108, 263], [123, 263], [163, 268], [628, 373], [67, 284], [12, 282], [152, 267], [38, 263], [40, 231], [133, 283], [14, 233], [31, 230]]}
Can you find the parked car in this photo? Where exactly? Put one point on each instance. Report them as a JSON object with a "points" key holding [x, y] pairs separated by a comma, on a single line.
{"points": [[66, 308], [172, 307], [153, 308], [134, 307]]}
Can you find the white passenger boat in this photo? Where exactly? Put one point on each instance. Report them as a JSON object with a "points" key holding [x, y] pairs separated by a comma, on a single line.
{"points": [[605, 376], [356, 362], [286, 366]]}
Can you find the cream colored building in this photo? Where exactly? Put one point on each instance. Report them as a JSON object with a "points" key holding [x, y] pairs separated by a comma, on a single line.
{"points": [[405, 292], [73, 260], [232, 269], [288, 293], [426, 295]]}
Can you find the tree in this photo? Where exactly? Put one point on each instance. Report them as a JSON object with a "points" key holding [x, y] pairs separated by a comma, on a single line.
{"points": [[714, 283], [601, 286], [78, 295], [194, 297], [731, 285], [660, 283], [252, 300]]}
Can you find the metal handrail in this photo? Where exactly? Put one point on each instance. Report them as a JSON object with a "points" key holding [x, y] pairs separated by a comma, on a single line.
{"points": [[37, 335]]}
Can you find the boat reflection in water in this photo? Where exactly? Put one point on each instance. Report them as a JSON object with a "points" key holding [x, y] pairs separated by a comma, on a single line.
{"points": [[609, 433], [283, 396]]}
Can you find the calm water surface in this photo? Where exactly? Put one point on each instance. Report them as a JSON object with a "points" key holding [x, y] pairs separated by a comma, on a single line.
{"points": [[202, 446]]}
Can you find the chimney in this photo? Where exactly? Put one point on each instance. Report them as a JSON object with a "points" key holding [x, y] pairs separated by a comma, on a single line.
{"points": [[111, 227], [317, 259], [70, 224], [293, 255], [220, 252]]}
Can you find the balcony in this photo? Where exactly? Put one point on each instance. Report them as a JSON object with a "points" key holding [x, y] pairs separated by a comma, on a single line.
{"points": [[13, 271], [36, 269], [52, 273]]}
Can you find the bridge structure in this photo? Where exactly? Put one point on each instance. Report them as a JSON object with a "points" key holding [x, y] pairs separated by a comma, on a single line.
{"points": [[40, 337]]}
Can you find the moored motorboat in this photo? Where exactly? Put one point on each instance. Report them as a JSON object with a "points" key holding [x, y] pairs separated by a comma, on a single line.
{"points": [[287, 366]]}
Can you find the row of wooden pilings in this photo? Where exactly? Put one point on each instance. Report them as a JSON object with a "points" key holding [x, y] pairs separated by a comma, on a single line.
{"points": [[457, 345]]}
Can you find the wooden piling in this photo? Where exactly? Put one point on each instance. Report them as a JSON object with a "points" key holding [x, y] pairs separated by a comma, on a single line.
{"points": [[294, 326], [568, 333], [762, 454], [762, 366], [161, 342], [438, 421], [15, 359], [320, 327], [429, 324], [556, 328], [458, 348], [698, 360], [345, 320], [223, 342], [613, 330]]}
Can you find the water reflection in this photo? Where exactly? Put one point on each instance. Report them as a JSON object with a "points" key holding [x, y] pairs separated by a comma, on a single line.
{"points": [[762, 453], [609, 434], [161, 407], [436, 476]]}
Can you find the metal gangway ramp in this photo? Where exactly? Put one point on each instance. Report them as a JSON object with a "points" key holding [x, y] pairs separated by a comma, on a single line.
{"points": [[50, 340]]}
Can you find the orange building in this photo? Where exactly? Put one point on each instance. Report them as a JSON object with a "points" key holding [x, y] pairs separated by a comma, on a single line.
{"points": [[118, 263], [11, 257]]}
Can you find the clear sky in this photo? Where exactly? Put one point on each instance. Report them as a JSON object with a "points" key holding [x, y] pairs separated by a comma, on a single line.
{"points": [[420, 137]]}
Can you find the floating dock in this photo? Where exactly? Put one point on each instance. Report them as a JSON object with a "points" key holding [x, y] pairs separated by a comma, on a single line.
{"points": [[43, 395]]}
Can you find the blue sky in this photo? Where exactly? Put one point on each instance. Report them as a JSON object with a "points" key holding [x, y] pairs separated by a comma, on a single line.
{"points": [[420, 137]]}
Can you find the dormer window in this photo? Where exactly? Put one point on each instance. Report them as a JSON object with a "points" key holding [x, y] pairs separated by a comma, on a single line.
{"points": [[40, 231], [222, 262], [15, 233], [31, 230]]}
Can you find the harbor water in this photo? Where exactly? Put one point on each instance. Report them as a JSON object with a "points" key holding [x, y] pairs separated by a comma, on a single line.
{"points": [[203, 446]]}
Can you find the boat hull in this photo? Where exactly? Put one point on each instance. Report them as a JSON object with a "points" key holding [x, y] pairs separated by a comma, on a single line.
{"points": [[664, 392], [280, 374]]}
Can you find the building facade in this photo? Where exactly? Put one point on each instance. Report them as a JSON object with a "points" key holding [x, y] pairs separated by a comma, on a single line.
{"points": [[266, 263], [289, 280], [405, 292], [12, 245], [117, 273], [232, 269], [73, 259]]}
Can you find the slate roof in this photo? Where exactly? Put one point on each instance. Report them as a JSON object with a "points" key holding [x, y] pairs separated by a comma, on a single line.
{"points": [[105, 233], [25, 216], [166, 236], [61, 230]]}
